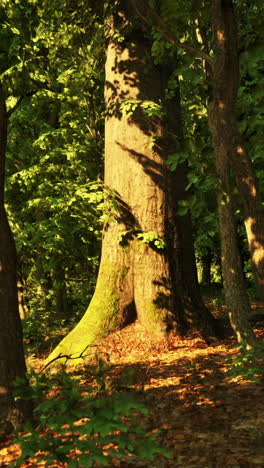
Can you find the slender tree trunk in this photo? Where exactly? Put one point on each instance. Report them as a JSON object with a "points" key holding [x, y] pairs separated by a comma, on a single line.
{"points": [[136, 279], [252, 209], [221, 116], [206, 261], [226, 86], [59, 285], [12, 361], [21, 304]]}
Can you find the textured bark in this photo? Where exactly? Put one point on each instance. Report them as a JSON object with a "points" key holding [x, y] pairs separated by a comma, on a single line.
{"points": [[221, 116], [247, 184], [181, 243], [225, 81], [12, 362], [138, 279]]}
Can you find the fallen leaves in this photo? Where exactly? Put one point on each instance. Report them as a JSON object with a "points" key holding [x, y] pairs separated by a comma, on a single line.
{"points": [[206, 420]]}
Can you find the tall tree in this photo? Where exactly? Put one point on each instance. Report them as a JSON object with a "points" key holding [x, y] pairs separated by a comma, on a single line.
{"points": [[222, 73], [225, 84], [12, 361], [223, 125], [142, 249]]}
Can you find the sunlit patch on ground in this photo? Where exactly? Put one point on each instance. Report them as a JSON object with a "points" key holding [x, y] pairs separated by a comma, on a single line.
{"points": [[207, 420]]}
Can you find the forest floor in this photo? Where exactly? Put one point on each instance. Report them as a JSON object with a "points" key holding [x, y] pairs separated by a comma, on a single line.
{"points": [[208, 420]]}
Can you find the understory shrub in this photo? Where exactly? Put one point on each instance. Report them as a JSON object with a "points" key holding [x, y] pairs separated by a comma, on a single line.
{"points": [[81, 425], [248, 363]]}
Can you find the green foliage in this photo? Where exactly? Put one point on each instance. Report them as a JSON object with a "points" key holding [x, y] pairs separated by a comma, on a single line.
{"points": [[52, 72], [84, 422], [54, 155], [248, 363], [250, 96], [149, 108], [151, 238]]}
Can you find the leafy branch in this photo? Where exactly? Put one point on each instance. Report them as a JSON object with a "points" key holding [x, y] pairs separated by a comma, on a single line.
{"points": [[145, 11]]}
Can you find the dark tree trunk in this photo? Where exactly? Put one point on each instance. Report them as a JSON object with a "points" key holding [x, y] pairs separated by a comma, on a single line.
{"points": [[12, 361], [221, 121], [195, 314], [139, 279], [61, 300], [206, 262]]}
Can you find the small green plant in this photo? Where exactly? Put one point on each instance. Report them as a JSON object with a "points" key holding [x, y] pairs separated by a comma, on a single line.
{"points": [[81, 425], [248, 363], [149, 108], [151, 238], [216, 303]]}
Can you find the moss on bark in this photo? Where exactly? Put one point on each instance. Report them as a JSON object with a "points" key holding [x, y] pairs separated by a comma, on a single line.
{"points": [[101, 318]]}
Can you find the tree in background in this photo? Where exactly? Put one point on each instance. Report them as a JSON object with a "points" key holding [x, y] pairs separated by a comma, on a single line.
{"points": [[223, 125], [54, 157]]}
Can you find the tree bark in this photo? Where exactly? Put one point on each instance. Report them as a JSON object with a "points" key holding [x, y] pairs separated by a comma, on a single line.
{"points": [[246, 179], [139, 279], [12, 361], [221, 121], [186, 280], [226, 86]]}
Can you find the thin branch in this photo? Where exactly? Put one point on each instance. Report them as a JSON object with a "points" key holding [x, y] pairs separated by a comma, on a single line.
{"points": [[164, 28], [68, 357]]}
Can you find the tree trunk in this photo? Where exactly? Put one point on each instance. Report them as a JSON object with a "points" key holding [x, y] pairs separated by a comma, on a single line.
{"points": [[195, 314], [252, 208], [61, 300], [206, 261], [221, 116], [226, 86], [20, 295], [12, 361], [137, 279]]}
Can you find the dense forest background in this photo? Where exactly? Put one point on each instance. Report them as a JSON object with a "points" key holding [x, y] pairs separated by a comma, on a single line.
{"points": [[60, 195], [52, 64]]}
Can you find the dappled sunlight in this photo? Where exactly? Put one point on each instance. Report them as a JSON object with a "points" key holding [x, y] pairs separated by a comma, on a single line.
{"points": [[220, 36], [249, 182], [255, 244], [206, 418]]}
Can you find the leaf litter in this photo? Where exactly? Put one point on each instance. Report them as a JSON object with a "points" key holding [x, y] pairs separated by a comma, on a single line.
{"points": [[206, 419]]}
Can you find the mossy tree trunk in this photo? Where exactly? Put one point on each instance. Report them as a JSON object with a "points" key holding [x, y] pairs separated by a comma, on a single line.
{"points": [[144, 280], [12, 361], [221, 121]]}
